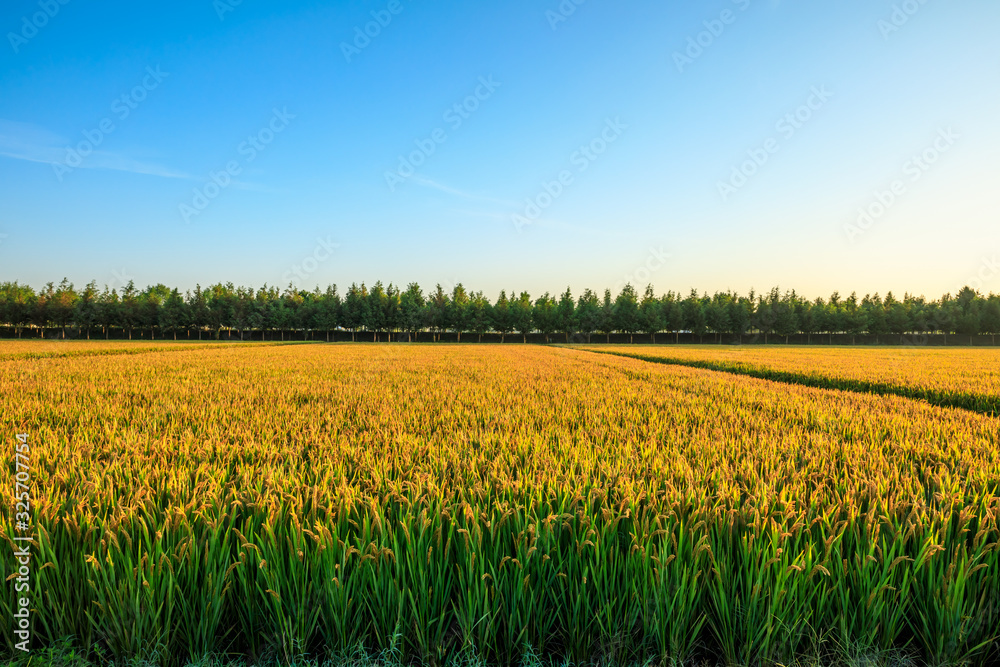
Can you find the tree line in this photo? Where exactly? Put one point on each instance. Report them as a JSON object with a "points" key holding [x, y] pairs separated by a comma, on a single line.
{"points": [[389, 309]]}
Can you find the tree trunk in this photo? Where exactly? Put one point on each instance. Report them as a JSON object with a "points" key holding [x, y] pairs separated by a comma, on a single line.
{"points": [[654, 338], [607, 337]]}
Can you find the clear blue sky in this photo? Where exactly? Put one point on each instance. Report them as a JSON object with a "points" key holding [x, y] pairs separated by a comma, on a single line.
{"points": [[667, 125]]}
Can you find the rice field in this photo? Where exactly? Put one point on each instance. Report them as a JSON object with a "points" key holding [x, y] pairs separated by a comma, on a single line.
{"points": [[11, 350], [446, 501], [968, 378]]}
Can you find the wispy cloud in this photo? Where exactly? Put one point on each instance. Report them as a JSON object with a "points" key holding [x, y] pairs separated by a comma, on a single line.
{"points": [[428, 183], [503, 211], [24, 141]]}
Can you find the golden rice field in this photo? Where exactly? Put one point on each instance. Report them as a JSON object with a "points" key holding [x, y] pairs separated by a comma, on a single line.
{"points": [[961, 377], [442, 501], [35, 349]]}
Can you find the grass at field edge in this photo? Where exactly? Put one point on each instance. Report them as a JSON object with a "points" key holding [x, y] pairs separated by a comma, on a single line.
{"points": [[65, 655]]}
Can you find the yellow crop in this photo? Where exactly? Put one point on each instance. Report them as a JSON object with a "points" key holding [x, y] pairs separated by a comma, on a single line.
{"points": [[435, 500]]}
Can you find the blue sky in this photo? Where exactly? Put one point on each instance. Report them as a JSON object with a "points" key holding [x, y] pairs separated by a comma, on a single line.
{"points": [[592, 143]]}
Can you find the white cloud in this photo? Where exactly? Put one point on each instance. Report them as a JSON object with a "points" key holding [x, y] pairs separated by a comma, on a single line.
{"points": [[24, 141]]}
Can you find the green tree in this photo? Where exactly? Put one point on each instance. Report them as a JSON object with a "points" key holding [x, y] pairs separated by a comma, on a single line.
{"points": [[150, 303], [480, 316], [969, 317], [626, 312], [459, 314], [503, 316], [109, 311], [378, 310], [855, 320], [521, 313], [991, 317], [544, 315], [17, 304], [874, 313], [355, 314], [717, 315], [588, 313], [328, 311], [673, 314], [566, 314], [650, 314], [694, 315], [438, 312], [60, 304], [606, 321], [785, 320], [740, 311], [173, 314], [86, 308], [897, 317], [411, 310], [393, 315]]}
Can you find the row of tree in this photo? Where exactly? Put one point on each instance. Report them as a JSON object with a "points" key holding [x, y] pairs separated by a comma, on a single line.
{"points": [[382, 308]]}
